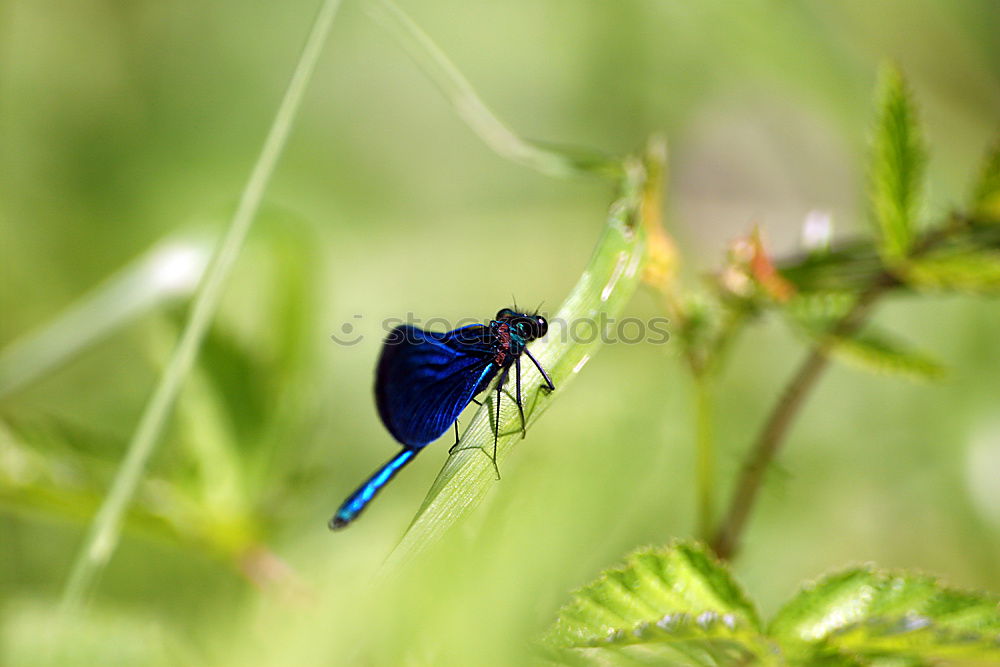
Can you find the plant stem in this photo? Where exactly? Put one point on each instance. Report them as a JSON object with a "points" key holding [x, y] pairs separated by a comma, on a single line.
{"points": [[726, 541], [102, 537], [705, 455], [727, 538]]}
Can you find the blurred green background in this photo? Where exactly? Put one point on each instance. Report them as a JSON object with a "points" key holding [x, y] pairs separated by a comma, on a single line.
{"points": [[125, 124]]}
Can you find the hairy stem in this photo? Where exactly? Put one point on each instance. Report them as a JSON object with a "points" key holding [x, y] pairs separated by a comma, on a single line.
{"points": [[772, 436], [727, 537]]}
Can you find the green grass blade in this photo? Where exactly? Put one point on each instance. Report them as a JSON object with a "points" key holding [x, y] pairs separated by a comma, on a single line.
{"points": [[604, 288], [968, 271], [102, 536], [476, 114]]}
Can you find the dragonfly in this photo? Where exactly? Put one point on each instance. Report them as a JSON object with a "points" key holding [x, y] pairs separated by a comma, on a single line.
{"points": [[425, 379]]}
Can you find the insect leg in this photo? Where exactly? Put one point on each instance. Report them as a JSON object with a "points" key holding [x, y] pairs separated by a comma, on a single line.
{"points": [[452, 448], [496, 430], [548, 380], [520, 405]]}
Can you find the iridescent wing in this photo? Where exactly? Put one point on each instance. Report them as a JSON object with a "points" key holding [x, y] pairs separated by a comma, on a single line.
{"points": [[425, 379]]}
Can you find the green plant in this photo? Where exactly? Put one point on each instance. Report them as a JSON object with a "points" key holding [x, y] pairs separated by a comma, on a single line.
{"points": [[239, 421], [680, 606]]}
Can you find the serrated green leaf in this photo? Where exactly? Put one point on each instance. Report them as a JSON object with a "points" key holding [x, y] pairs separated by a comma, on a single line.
{"points": [[679, 599], [882, 352], [872, 349], [897, 167], [870, 614], [679, 606], [986, 193], [973, 271]]}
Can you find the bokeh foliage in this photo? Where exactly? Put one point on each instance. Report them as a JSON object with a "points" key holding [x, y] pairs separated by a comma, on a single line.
{"points": [[122, 124]]}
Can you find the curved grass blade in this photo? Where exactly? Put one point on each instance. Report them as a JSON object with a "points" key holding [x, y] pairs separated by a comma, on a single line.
{"points": [[558, 161], [606, 285]]}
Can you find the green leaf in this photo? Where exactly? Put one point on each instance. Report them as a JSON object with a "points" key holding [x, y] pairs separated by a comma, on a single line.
{"points": [[677, 601], [606, 285], [868, 615], [881, 352], [848, 267], [986, 194], [872, 349], [680, 606], [818, 310], [971, 271], [897, 167]]}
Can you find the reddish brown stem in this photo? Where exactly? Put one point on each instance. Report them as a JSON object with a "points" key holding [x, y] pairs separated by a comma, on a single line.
{"points": [[726, 541]]}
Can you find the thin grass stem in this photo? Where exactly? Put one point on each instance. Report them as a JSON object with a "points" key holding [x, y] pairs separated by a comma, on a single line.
{"points": [[102, 537]]}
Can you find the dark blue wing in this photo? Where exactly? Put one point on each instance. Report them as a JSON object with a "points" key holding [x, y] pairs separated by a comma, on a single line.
{"points": [[425, 379]]}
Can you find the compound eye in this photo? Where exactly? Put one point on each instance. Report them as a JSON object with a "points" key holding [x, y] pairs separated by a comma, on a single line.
{"points": [[504, 314], [541, 326]]}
